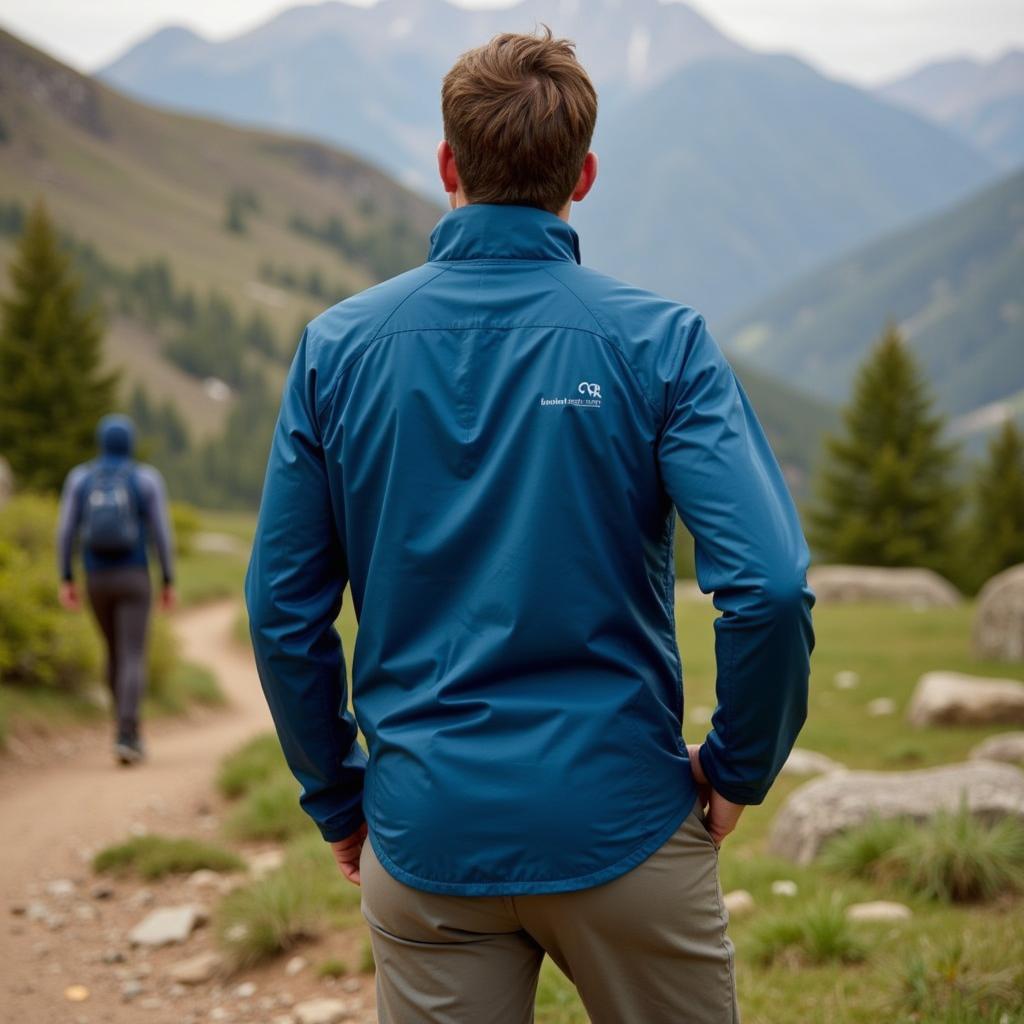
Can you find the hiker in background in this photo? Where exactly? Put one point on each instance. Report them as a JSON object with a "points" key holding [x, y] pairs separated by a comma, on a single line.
{"points": [[114, 505]]}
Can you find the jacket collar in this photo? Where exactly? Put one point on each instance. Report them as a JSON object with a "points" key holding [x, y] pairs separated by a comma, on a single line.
{"points": [[483, 231]]}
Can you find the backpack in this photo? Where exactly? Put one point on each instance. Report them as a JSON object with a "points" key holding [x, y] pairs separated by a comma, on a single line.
{"points": [[110, 515]]}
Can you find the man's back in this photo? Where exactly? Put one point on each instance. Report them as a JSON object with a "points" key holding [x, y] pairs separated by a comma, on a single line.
{"points": [[490, 449]]}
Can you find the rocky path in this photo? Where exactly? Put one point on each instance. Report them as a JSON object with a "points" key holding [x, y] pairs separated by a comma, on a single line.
{"points": [[63, 933]]}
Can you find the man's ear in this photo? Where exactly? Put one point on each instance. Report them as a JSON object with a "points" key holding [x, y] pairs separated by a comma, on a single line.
{"points": [[587, 177], [446, 167]]}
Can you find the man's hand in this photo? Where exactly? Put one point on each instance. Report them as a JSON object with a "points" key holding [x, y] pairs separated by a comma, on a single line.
{"points": [[168, 597], [346, 853], [722, 815], [68, 596]]}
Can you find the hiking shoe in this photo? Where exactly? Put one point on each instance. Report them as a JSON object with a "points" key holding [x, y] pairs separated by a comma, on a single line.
{"points": [[129, 751]]}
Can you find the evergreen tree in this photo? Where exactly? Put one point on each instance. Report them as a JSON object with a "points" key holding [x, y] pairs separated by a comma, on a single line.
{"points": [[53, 389], [885, 496], [999, 505]]}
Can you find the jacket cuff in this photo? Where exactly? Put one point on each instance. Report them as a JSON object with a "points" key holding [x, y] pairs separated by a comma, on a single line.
{"points": [[341, 827], [737, 792]]}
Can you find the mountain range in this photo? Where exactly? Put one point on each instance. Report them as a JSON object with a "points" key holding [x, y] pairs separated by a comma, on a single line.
{"points": [[138, 187], [981, 100], [724, 173], [953, 282]]}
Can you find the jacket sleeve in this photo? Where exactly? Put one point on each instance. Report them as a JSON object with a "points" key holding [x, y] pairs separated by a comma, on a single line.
{"points": [[724, 480], [294, 586], [68, 520]]}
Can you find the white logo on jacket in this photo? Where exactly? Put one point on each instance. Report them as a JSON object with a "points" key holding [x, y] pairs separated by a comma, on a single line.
{"points": [[591, 399]]}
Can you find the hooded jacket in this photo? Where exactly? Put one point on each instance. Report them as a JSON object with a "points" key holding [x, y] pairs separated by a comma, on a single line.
{"points": [[490, 451], [115, 438]]}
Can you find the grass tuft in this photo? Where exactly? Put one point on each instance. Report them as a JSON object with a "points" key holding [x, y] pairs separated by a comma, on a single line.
{"points": [[156, 856], [332, 968], [952, 858], [251, 765], [367, 965], [271, 811], [816, 934]]}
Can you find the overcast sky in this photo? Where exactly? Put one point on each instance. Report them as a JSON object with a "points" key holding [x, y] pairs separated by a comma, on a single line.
{"points": [[862, 40]]}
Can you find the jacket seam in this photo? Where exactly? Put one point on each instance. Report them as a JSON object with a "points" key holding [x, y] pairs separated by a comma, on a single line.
{"points": [[362, 349], [604, 335]]}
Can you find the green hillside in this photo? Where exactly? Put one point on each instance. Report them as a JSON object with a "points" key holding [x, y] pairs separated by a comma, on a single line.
{"points": [[253, 216], [953, 283]]}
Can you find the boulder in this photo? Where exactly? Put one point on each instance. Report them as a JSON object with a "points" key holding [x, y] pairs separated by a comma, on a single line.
{"points": [[879, 910], [1007, 747], [833, 803], [999, 618], [809, 762], [952, 698], [850, 584], [167, 925]]}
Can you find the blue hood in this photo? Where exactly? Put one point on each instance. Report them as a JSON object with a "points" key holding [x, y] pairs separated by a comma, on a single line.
{"points": [[115, 436]]}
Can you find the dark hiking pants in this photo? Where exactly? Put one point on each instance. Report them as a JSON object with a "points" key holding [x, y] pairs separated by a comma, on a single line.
{"points": [[120, 600]]}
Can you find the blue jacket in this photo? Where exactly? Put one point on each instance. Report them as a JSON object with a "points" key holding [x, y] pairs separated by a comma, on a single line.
{"points": [[490, 450], [115, 437]]}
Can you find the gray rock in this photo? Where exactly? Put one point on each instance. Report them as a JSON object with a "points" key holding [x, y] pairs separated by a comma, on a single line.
{"points": [[197, 970], [999, 617], [851, 584], [296, 965], [952, 698], [1007, 747], [784, 887], [809, 762], [132, 989], [166, 925], [881, 706], [833, 803], [878, 910], [322, 1011]]}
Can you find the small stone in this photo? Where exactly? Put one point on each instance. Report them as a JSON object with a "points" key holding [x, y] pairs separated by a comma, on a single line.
{"points": [[219, 1013], [76, 993], [85, 912], [37, 911], [322, 1011], [846, 680], [61, 887], [236, 933], [784, 887], [204, 878], [131, 989], [143, 898], [879, 910], [295, 965], [738, 902], [113, 956], [881, 706], [102, 892], [197, 969], [246, 990], [55, 922], [351, 985], [167, 925]]}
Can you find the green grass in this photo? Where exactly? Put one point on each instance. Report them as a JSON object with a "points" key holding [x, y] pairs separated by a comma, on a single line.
{"points": [[270, 811], [304, 898], [367, 965], [818, 933], [154, 856], [251, 766]]}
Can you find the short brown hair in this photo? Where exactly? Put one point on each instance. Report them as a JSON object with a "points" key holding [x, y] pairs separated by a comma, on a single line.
{"points": [[519, 114]]}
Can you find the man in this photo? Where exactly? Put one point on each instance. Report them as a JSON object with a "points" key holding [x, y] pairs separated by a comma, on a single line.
{"points": [[114, 506], [489, 450]]}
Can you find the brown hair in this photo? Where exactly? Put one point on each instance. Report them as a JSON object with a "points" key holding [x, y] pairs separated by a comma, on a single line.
{"points": [[519, 114]]}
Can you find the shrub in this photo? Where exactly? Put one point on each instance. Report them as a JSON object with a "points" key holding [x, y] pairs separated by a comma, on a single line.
{"points": [[817, 934], [333, 968], [154, 856]]}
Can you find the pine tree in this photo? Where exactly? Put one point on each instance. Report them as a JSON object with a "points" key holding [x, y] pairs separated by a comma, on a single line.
{"points": [[885, 496], [999, 505], [53, 389]]}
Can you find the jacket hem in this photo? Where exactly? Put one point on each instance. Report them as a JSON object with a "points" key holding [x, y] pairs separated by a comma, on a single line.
{"points": [[540, 887]]}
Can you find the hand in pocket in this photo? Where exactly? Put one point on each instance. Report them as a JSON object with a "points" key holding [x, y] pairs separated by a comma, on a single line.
{"points": [[722, 815]]}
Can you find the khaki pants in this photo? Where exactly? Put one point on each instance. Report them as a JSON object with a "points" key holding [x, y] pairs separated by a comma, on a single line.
{"points": [[648, 947]]}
